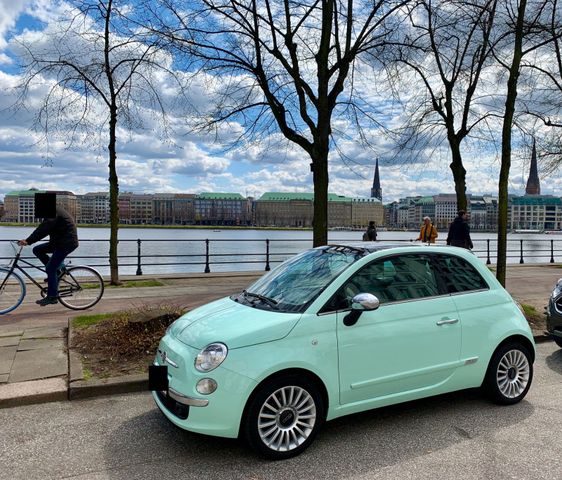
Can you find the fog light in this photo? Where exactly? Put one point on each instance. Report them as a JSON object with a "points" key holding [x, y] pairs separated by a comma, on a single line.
{"points": [[205, 386]]}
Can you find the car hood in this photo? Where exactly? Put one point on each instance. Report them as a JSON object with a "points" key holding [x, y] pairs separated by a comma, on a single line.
{"points": [[233, 324]]}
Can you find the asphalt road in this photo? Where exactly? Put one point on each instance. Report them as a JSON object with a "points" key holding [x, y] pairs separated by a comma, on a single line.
{"points": [[460, 436]]}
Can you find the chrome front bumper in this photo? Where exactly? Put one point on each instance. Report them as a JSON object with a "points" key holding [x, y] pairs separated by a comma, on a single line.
{"points": [[184, 399]]}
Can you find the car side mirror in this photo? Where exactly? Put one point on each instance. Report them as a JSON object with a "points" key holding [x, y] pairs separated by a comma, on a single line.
{"points": [[361, 302]]}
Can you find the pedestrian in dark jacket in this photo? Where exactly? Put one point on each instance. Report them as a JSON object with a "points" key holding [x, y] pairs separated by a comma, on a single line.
{"points": [[371, 234], [63, 239], [459, 232]]}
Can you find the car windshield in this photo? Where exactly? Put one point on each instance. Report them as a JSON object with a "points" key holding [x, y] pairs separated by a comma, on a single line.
{"points": [[294, 284]]}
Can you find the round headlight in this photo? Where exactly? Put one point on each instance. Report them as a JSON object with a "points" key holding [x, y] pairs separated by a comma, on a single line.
{"points": [[211, 357]]}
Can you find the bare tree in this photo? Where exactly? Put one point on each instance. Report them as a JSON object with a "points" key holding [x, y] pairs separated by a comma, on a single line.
{"points": [[524, 26], [447, 47], [543, 83], [99, 69], [283, 66]]}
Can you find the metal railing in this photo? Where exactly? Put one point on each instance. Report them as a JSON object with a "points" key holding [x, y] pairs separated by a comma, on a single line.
{"points": [[212, 253]]}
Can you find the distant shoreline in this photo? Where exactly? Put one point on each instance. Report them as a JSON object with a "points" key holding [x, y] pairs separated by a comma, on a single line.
{"points": [[181, 227], [222, 227]]}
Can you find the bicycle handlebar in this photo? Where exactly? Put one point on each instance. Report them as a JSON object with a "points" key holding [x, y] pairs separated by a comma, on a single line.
{"points": [[16, 244]]}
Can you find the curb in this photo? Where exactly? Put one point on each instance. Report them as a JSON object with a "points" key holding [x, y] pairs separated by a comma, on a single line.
{"points": [[35, 391], [107, 386]]}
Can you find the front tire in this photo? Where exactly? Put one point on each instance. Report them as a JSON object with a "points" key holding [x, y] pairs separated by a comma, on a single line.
{"points": [[12, 290], [558, 341], [284, 417], [509, 374]]}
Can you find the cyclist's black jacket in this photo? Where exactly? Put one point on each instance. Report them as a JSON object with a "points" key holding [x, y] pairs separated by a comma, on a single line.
{"points": [[61, 229]]}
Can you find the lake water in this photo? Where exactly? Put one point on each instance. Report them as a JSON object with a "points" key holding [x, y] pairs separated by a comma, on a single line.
{"points": [[183, 250]]}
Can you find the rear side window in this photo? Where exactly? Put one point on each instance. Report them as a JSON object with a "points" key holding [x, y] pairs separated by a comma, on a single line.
{"points": [[457, 275]]}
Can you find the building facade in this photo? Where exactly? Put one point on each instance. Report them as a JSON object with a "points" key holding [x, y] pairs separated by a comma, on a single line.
{"points": [[93, 208], [536, 212], [20, 205], [284, 209], [221, 209], [141, 208]]}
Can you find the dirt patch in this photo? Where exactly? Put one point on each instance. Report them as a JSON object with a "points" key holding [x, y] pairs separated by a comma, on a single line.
{"points": [[122, 343], [536, 319]]}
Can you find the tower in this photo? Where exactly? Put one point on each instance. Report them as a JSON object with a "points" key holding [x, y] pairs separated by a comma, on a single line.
{"points": [[376, 191], [533, 184]]}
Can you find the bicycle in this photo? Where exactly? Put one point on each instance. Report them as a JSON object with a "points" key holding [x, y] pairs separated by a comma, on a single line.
{"points": [[79, 286]]}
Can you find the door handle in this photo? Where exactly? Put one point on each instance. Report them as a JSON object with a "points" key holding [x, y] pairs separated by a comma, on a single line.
{"points": [[447, 322]]}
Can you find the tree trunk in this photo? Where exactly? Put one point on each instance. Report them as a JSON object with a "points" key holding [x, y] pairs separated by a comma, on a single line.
{"points": [[113, 198], [459, 174], [506, 144], [321, 180]]}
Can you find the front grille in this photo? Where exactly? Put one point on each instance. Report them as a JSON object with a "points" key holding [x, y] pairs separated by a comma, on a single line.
{"points": [[175, 408]]}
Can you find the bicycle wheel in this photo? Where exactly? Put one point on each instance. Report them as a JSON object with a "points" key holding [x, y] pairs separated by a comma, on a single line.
{"points": [[80, 288], [12, 290]]}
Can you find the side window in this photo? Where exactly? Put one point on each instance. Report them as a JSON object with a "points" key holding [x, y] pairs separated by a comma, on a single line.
{"points": [[458, 275], [393, 279]]}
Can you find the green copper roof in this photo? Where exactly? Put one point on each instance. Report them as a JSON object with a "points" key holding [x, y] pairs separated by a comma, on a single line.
{"points": [[219, 196], [425, 201], [537, 200], [299, 196]]}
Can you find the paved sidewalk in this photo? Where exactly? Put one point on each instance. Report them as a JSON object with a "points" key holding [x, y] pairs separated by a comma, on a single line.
{"points": [[33, 355]]}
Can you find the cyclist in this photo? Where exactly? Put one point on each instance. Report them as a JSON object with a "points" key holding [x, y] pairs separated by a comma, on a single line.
{"points": [[63, 239]]}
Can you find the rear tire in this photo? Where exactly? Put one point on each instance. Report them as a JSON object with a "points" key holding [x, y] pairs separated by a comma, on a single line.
{"points": [[558, 341], [80, 288], [284, 417], [509, 374], [12, 292]]}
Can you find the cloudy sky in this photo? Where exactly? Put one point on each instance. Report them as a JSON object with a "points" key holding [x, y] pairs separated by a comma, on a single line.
{"points": [[178, 160]]}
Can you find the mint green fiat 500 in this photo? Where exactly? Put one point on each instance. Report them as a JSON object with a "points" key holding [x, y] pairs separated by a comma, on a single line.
{"points": [[337, 330]]}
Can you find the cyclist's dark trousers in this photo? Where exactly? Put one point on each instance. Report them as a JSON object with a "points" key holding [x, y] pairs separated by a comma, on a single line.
{"points": [[51, 263]]}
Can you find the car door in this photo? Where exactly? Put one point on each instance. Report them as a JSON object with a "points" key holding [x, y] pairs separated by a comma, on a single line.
{"points": [[411, 342]]}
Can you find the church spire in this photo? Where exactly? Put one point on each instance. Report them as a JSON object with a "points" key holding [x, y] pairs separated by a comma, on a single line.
{"points": [[533, 184], [376, 191]]}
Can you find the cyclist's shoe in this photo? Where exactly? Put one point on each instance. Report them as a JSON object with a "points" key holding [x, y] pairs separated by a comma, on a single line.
{"points": [[47, 301]]}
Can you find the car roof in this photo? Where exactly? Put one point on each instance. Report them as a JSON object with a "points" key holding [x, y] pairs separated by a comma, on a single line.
{"points": [[371, 247]]}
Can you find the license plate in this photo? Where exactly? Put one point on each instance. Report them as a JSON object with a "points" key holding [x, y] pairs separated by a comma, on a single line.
{"points": [[158, 378]]}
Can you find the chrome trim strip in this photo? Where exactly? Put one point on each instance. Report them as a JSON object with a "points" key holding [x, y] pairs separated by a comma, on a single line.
{"points": [[470, 361], [170, 362], [185, 400]]}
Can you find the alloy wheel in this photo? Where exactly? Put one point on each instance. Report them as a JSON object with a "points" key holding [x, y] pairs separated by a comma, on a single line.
{"points": [[287, 418], [513, 373]]}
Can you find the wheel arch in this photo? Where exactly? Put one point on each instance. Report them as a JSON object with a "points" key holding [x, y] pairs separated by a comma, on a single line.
{"points": [[318, 382], [522, 339]]}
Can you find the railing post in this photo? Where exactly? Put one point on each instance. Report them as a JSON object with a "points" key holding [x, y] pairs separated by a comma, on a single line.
{"points": [[552, 251], [207, 267], [521, 248], [488, 261], [267, 267], [139, 269]]}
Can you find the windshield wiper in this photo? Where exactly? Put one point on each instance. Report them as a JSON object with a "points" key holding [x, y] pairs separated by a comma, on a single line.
{"points": [[270, 301]]}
